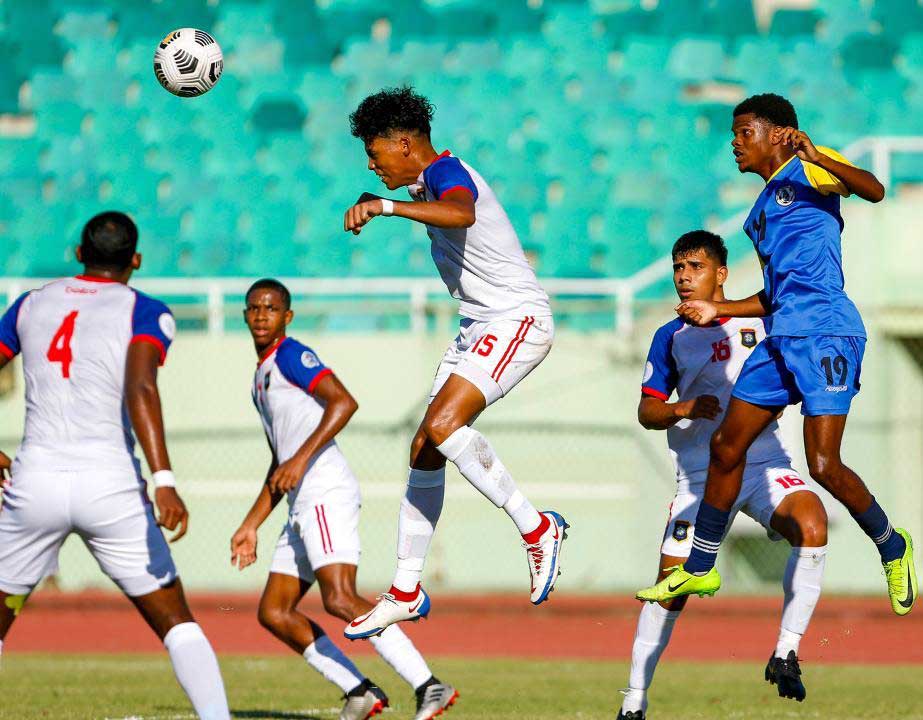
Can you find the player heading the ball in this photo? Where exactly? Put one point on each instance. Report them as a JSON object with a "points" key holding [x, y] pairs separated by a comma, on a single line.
{"points": [[813, 354], [90, 349], [506, 330], [303, 406]]}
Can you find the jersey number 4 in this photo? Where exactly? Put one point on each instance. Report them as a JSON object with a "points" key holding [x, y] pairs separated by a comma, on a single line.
{"points": [[60, 349]]}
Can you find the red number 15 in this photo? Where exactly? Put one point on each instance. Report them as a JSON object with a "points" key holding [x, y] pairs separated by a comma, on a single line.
{"points": [[60, 349]]}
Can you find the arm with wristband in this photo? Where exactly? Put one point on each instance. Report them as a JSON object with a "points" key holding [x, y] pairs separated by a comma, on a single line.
{"points": [[142, 399]]}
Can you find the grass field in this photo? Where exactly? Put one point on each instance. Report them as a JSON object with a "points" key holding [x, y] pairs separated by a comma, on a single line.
{"points": [[142, 686]]}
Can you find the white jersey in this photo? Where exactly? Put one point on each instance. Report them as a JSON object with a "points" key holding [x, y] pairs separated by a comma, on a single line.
{"points": [[283, 388], [73, 335], [483, 266], [696, 361]]}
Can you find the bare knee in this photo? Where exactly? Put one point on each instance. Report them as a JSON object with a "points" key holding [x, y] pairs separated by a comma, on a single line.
{"points": [[439, 427], [824, 468], [340, 604], [725, 455], [272, 617], [812, 524]]}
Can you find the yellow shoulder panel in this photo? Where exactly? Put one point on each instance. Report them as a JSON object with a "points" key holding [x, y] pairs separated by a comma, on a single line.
{"points": [[825, 182]]}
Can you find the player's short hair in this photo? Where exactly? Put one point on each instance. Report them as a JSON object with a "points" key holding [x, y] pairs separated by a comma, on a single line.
{"points": [[391, 109], [272, 284], [769, 106], [712, 244], [109, 240]]}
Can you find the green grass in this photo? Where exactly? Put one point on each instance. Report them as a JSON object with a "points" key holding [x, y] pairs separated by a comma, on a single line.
{"points": [[142, 686]]}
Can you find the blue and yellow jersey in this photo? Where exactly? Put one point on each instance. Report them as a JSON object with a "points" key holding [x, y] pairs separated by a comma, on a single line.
{"points": [[795, 227]]}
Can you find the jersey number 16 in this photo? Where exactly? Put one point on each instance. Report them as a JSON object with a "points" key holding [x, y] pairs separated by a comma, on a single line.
{"points": [[59, 350]]}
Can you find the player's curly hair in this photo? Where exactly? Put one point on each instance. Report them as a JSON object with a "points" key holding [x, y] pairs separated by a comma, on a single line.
{"points": [[391, 109], [712, 244], [769, 106], [109, 240], [272, 284]]}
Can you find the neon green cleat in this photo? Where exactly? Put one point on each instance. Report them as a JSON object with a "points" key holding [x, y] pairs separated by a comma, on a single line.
{"points": [[902, 578], [679, 583]]}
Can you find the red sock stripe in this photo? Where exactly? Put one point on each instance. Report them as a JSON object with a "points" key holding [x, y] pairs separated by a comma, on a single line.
{"points": [[323, 514], [320, 528], [513, 347]]}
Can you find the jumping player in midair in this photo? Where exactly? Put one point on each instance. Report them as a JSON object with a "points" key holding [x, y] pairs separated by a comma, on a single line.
{"points": [[813, 354], [506, 330]]}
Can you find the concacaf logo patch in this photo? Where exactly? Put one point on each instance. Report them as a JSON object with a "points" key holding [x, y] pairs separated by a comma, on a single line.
{"points": [[309, 359], [748, 337], [785, 195], [680, 530]]}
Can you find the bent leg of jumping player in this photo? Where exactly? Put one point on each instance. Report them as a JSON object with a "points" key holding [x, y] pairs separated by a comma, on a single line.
{"points": [[823, 436], [341, 600], [728, 456], [443, 435]]}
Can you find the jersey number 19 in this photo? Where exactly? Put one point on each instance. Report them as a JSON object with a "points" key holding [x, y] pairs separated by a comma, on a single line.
{"points": [[60, 348]]}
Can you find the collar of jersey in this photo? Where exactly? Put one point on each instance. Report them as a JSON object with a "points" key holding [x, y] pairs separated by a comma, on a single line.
{"points": [[267, 353], [91, 278], [717, 322], [780, 168], [443, 154]]}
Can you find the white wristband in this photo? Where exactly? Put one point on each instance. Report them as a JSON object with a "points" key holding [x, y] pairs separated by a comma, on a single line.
{"points": [[163, 478], [387, 207]]}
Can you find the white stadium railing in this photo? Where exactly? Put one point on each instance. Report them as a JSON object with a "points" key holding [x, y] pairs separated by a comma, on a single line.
{"points": [[618, 293]]}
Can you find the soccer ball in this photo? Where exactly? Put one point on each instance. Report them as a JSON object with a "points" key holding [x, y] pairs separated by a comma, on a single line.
{"points": [[188, 62]]}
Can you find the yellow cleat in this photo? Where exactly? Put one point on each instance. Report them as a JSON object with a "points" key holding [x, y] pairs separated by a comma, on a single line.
{"points": [[902, 578], [679, 583]]}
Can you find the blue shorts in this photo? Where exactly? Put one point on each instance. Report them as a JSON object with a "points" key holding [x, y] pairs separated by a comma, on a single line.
{"points": [[821, 372]]}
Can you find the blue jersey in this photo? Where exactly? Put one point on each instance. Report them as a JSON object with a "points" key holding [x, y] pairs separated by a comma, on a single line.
{"points": [[795, 227]]}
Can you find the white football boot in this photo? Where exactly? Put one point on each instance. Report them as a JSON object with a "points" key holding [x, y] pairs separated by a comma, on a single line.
{"points": [[544, 557], [388, 611]]}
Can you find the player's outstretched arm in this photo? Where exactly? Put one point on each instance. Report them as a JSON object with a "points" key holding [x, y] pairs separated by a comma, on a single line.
{"points": [[143, 401], [657, 414], [703, 312], [339, 407], [858, 181], [454, 210]]}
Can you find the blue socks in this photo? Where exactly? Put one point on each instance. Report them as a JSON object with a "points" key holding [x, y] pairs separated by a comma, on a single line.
{"points": [[875, 524], [710, 526]]}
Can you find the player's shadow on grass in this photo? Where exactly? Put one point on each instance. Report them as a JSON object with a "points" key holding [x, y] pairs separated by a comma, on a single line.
{"points": [[274, 714]]}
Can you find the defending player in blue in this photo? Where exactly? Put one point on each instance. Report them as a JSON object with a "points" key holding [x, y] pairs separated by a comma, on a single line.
{"points": [[813, 354], [303, 406], [701, 364]]}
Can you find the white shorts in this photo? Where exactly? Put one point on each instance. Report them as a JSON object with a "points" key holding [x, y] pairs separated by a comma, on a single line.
{"points": [[110, 512], [764, 488], [495, 355], [322, 529]]}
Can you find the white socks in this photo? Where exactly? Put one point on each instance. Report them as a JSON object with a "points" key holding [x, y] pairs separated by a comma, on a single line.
{"points": [[329, 661], [399, 652], [803, 575], [655, 625], [197, 670], [477, 461], [420, 510]]}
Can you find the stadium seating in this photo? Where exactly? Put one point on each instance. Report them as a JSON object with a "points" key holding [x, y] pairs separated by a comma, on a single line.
{"points": [[598, 122]]}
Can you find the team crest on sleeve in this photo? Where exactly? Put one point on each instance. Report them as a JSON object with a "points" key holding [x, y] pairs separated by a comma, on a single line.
{"points": [[680, 530], [748, 337], [167, 325], [785, 195], [309, 359], [648, 371]]}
